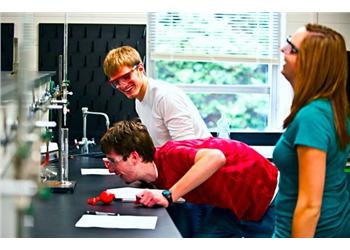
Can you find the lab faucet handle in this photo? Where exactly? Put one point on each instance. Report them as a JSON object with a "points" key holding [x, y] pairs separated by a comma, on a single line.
{"points": [[77, 144], [93, 141]]}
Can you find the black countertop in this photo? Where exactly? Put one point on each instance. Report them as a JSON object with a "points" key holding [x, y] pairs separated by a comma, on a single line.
{"points": [[57, 215]]}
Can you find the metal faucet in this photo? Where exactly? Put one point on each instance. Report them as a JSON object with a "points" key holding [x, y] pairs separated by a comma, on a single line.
{"points": [[84, 141]]}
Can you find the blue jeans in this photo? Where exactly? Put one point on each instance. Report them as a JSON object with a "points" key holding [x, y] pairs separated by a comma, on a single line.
{"points": [[186, 216], [204, 221]]}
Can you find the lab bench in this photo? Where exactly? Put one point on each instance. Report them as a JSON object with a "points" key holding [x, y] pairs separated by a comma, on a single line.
{"points": [[56, 216]]}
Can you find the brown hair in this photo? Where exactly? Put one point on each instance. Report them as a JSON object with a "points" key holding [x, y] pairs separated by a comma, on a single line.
{"points": [[128, 136], [119, 57], [322, 73]]}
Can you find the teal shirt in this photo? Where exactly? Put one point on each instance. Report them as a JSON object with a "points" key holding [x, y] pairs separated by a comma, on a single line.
{"points": [[313, 126]]}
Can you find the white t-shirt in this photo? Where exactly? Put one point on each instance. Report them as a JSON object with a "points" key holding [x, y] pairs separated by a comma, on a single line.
{"points": [[169, 114]]}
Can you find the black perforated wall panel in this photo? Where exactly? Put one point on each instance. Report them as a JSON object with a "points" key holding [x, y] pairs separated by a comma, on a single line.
{"points": [[88, 45], [7, 34]]}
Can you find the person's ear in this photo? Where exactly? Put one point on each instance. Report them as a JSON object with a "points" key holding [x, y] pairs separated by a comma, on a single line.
{"points": [[141, 68], [134, 155]]}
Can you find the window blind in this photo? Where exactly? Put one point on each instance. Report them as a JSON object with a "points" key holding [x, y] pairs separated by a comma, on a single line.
{"points": [[236, 37]]}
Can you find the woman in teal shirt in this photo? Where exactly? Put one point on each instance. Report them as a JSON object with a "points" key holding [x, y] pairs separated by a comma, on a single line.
{"points": [[313, 199]]}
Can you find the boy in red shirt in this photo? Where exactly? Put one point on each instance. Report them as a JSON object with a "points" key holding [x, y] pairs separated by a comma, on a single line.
{"points": [[225, 173]]}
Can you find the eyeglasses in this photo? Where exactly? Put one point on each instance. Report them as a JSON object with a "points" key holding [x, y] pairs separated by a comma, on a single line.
{"points": [[115, 83], [111, 164], [115, 161], [290, 48]]}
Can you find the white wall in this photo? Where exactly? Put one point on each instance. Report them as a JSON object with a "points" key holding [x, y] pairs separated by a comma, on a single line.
{"points": [[339, 21]]}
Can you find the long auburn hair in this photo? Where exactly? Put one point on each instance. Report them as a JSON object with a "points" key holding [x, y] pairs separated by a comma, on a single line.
{"points": [[322, 73]]}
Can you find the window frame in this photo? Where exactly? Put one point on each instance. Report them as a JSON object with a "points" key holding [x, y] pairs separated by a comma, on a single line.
{"points": [[271, 88]]}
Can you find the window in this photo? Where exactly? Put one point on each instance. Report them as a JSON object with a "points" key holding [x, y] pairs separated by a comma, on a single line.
{"points": [[226, 63]]}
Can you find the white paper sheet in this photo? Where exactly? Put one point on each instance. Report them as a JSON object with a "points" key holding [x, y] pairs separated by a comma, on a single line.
{"points": [[120, 221], [95, 171], [126, 193]]}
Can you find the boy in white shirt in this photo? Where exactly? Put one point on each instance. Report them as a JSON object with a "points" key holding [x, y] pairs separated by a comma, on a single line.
{"points": [[166, 110]]}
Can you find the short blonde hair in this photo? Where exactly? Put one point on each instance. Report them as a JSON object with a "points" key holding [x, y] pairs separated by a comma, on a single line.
{"points": [[119, 57]]}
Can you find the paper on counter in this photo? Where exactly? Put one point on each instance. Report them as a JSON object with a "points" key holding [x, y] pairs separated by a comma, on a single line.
{"points": [[95, 171], [120, 221], [127, 193]]}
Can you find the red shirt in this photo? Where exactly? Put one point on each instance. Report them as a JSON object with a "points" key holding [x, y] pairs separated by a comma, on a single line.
{"points": [[245, 184]]}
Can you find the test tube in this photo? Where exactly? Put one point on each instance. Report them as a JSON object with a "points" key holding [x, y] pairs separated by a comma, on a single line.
{"points": [[64, 154]]}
